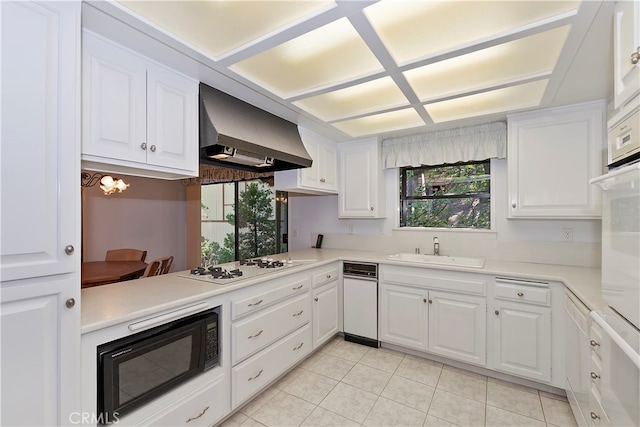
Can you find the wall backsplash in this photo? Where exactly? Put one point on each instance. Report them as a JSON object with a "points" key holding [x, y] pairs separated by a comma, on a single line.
{"points": [[538, 241]]}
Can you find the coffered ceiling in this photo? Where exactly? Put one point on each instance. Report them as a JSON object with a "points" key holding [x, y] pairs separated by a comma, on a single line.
{"points": [[359, 68]]}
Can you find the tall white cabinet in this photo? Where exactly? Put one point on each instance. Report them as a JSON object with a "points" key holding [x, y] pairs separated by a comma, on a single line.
{"points": [[626, 54], [40, 207]]}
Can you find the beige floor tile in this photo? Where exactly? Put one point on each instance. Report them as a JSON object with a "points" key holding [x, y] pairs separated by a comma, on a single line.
{"points": [[349, 401], [432, 421], [513, 385], [386, 412], [410, 393], [553, 396], [347, 350], [383, 359], [257, 402], [310, 386], [283, 409], [311, 360], [250, 422], [514, 398], [331, 366], [463, 383], [367, 378], [321, 417], [457, 409], [500, 417], [418, 369], [284, 381], [237, 419], [557, 412]]}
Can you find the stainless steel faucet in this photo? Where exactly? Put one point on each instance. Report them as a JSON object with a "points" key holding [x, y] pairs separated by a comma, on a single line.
{"points": [[436, 246]]}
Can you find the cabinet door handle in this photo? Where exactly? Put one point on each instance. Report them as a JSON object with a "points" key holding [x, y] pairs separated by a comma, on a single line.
{"points": [[594, 416], [298, 313], [69, 249], [199, 415], [430, 301], [520, 294], [70, 303], [372, 208], [153, 148], [497, 312], [594, 375], [513, 205], [143, 145], [322, 180], [297, 287], [424, 300], [635, 57], [255, 303], [328, 276], [594, 343], [316, 299], [256, 376], [298, 347], [256, 335]]}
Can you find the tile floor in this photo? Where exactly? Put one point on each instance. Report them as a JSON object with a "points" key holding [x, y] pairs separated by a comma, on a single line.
{"points": [[346, 384]]}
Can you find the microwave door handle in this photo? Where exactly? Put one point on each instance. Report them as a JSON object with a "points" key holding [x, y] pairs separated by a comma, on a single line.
{"points": [[617, 339], [168, 317]]}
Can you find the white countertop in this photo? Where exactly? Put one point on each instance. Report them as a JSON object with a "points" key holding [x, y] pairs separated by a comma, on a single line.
{"points": [[107, 305]]}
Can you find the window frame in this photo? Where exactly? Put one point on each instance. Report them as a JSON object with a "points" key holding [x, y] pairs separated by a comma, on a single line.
{"points": [[402, 198]]}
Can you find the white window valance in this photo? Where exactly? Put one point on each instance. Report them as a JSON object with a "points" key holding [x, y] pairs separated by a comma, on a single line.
{"points": [[463, 144]]}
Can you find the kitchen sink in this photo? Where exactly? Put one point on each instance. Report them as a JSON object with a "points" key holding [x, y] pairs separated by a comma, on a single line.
{"points": [[438, 259]]}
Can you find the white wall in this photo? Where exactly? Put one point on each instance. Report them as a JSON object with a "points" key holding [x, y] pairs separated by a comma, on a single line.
{"points": [[511, 240], [150, 215]]}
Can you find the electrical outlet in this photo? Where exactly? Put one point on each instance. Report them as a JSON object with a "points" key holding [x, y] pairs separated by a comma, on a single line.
{"points": [[352, 228], [567, 234]]}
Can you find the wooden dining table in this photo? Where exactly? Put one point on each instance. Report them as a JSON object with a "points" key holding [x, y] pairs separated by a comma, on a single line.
{"points": [[95, 273]]}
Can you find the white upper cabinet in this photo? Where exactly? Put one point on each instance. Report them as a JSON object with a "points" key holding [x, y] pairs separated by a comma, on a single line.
{"points": [[139, 117], [361, 187], [626, 53], [321, 177], [552, 155]]}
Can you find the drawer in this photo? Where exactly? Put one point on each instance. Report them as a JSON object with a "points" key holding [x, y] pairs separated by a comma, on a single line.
{"points": [[595, 338], [201, 408], [271, 292], [258, 331], [596, 414], [323, 276], [523, 291], [578, 312], [255, 373], [595, 370]]}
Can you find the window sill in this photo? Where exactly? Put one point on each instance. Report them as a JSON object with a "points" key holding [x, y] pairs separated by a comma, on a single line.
{"points": [[443, 229]]}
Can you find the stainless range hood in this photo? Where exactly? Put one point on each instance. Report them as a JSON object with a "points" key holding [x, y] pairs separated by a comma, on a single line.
{"points": [[237, 135]]}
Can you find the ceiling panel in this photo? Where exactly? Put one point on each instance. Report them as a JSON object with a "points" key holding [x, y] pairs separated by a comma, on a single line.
{"points": [[379, 123]]}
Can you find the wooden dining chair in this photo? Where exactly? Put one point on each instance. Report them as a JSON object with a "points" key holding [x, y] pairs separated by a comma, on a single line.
{"points": [[125, 255], [158, 266]]}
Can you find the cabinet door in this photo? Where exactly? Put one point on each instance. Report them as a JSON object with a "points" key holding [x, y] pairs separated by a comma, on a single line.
{"points": [[325, 313], [626, 34], [552, 156], [114, 95], [360, 181], [457, 327], [310, 177], [329, 171], [172, 119], [522, 337], [403, 316]]}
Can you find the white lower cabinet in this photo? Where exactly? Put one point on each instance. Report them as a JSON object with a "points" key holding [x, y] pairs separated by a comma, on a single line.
{"points": [[252, 375], [403, 316], [522, 334], [325, 312], [458, 326]]}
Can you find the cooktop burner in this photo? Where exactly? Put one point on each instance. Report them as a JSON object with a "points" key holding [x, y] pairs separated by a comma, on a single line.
{"points": [[244, 269]]}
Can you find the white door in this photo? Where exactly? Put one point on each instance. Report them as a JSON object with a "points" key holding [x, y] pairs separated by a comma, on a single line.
{"points": [[325, 313], [522, 341], [172, 119], [457, 326], [360, 307], [114, 95], [403, 316], [40, 197], [626, 33]]}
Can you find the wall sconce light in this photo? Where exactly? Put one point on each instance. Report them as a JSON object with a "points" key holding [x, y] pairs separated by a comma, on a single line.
{"points": [[108, 184]]}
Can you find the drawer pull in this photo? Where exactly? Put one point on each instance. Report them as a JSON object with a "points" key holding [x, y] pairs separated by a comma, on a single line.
{"points": [[594, 375], [316, 299], [328, 276], [256, 376], [520, 294], [199, 415], [497, 312], [298, 347], [594, 416], [256, 335], [297, 287], [594, 343], [255, 303], [298, 313]]}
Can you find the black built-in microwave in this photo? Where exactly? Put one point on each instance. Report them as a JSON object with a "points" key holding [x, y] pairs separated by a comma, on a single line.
{"points": [[138, 368]]}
